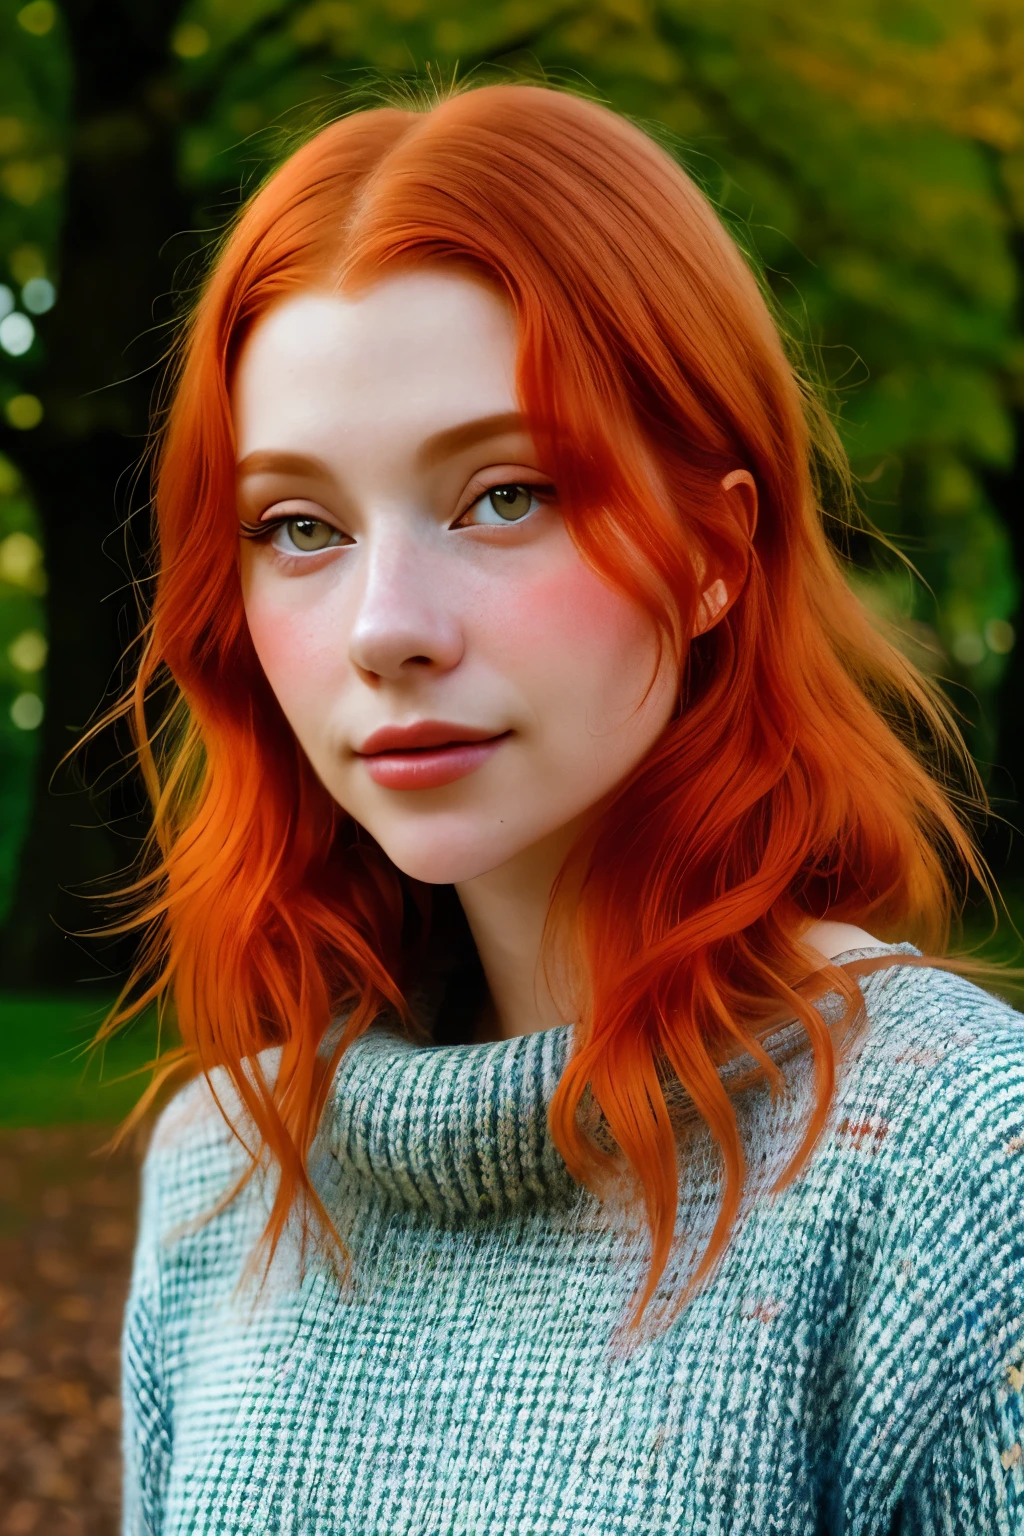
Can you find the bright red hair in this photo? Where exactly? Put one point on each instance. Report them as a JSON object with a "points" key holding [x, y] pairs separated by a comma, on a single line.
{"points": [[804, 774]]}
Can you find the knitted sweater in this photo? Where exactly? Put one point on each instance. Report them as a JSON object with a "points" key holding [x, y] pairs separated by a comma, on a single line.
{"points": [[853, 1367]]}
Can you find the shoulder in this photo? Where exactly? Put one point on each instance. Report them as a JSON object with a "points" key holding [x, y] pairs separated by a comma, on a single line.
{"points": [[923, 1156], [935, 1080], [927, 1119], [191, 1244], [202, 1143], [928, 1138], [934, 1042]]}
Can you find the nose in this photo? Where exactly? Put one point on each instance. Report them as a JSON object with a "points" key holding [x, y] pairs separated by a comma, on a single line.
{"points": [[407, 617]]}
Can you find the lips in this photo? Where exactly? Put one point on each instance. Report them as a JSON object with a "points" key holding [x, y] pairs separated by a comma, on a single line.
{"points": [[427, 754]]}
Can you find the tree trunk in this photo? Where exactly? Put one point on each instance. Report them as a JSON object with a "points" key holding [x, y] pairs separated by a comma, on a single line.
{"points": [[103, 343]]}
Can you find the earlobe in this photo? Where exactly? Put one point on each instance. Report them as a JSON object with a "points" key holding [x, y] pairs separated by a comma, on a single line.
{"points": [[711, 604]]}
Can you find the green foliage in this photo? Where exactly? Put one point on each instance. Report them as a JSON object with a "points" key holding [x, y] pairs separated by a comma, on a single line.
{"points": [[34, 92], [50, 1075], [35, 89], [22, 659]]}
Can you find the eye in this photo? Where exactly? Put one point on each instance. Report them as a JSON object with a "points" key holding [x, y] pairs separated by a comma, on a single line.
{"points": [[307, 534], [503, 504]]}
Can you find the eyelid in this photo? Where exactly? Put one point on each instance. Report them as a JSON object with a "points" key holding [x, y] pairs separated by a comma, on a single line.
{"points": [[270, 520], [295, 506], [503, 474]]}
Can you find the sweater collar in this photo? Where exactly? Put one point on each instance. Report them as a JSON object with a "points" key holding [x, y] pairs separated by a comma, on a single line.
{"points": [[457, 1129], [462, 1130]]}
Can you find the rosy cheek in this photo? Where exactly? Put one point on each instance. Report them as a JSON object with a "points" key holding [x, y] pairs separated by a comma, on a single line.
{"points": [[570, 607], [299, 652]]}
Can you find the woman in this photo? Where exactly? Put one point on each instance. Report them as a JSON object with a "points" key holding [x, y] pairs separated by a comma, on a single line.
{"points": [[532, 793]]}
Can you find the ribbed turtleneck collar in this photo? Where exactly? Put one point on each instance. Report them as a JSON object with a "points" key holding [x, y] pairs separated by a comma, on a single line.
{"points": [[461, 1130]]}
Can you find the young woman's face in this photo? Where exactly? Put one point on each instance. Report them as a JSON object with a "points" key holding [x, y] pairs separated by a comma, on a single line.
{"points": [[463, 684]]}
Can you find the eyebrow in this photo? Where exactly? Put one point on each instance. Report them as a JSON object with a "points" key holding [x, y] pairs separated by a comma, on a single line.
{"points": [[442, 445], [269, 461]]}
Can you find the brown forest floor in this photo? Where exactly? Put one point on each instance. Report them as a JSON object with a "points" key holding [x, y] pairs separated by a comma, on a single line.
{"points": [[66, 1229]]}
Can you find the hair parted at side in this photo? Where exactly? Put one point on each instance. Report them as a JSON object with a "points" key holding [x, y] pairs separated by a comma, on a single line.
{"points": [[792, 782]]}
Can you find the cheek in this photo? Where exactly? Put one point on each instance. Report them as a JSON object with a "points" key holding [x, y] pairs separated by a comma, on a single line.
{"points": [[575, 634], [296, 645]]}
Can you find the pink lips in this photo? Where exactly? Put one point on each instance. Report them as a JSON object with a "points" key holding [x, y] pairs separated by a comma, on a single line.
{"points": [[427, 754]]}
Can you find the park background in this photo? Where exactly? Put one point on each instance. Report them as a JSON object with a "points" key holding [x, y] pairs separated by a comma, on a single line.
{"points": [[869, 157]]}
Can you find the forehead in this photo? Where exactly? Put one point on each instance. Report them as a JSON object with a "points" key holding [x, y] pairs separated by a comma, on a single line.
{"points": [[415, 353]]}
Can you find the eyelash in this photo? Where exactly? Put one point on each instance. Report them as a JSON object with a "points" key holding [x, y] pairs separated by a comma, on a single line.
{"points": [[270, 525], [262, 530]]}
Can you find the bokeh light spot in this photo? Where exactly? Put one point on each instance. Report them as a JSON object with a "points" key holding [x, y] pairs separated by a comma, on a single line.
{"points": [[27, 261], [999, 636], [24, 412], [28, 181], [37, 17], [10, 479], [20, 559], [27, 651], [190, 41], [6, 300], [27, 711], [969, 649], [17, 333], [38, 295]]}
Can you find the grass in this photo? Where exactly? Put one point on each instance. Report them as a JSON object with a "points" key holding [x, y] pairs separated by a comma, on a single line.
{"points": [[48, 1075]]}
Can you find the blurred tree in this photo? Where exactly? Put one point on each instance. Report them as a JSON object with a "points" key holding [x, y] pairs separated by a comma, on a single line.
{"points": [[34, 79], [91, 368], [868, 154], [956, 67], [23, 649]]}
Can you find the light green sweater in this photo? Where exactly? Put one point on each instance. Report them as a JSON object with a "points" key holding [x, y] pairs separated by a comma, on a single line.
{"points": [[854, 1367]]}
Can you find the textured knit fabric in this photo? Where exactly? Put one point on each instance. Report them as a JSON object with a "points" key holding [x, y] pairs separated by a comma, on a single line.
{"points": [[854, 1367]]}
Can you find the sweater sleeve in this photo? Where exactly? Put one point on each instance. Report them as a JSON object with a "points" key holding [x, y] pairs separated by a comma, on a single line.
{"points": [[938, 1416], [194, 1159], [973, 1482], [146, 1421]]}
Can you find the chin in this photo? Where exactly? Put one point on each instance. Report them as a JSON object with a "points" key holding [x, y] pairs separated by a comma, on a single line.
{"points": [[447, 856]]}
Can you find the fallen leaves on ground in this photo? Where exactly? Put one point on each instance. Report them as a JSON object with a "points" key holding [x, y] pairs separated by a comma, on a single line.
{"points": [[67, 1216]]}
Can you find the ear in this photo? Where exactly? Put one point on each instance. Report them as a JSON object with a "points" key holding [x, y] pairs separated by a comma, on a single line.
{"points": [[711, 605], [739, 486], [741, 489]]}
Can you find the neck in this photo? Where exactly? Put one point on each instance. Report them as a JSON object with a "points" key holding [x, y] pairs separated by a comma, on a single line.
{"points": [[506, 909]]}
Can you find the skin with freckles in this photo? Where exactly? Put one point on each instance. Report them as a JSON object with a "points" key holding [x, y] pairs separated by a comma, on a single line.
{"points": [[462, 682]]}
